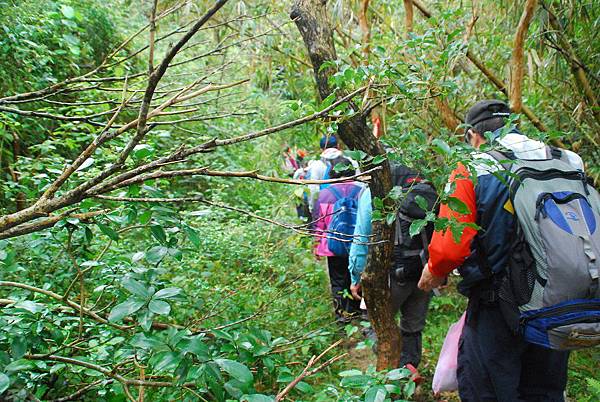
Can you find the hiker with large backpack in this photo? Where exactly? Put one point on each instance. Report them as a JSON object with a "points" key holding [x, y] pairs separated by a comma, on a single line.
{"points": [[530, 272], [334, 217], [410, 254], [323, 168]]}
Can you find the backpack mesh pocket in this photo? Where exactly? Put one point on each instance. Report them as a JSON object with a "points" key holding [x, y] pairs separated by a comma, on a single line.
{"points": [[522, 271]]}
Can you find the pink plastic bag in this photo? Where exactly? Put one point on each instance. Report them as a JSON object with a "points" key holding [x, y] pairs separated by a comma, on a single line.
{"points": [[444, 378]]}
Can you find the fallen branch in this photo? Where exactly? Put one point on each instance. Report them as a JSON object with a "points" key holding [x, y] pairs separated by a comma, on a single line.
{"points": [[309, 370]]}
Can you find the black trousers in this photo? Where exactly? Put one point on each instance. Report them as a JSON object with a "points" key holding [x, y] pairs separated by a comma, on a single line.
{"points": [[496, 365], [339, 277]]}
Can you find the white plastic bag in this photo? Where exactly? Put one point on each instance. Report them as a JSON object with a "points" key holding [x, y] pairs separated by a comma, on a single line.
{"points": [[444, 378]]}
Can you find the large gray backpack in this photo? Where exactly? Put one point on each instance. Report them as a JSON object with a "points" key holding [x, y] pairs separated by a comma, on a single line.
{"points": [[552, 277]]}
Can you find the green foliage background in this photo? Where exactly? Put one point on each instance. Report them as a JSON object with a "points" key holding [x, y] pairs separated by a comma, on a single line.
{"points": [[218, 304]]}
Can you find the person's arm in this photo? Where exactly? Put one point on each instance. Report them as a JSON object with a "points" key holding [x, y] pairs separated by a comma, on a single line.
{"points": [[362, 231], [445, 254]]}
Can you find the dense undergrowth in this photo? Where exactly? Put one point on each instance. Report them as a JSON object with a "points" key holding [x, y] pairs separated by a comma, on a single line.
{"points": [[195, 300]]}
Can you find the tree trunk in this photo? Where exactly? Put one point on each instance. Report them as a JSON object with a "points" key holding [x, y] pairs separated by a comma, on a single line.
{"points": [[312, 19], [517, 63]]}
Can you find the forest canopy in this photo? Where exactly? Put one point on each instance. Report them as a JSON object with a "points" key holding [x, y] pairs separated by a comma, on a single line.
{"points": [[149, 245]]}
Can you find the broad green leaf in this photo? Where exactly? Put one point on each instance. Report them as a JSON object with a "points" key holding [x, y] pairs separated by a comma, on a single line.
{"points": [[165, 360], [125, 309], [256, 398], [355, 381], [156, 254], [166, 293], [67, 11], [135, 287], [304, 387], [159, 307], [376, 394], [19, 365], [357, 155], [4, 382], [18, 346], [159, 233], [458, 206], [409, 389], [416, 227], [192, 235], [378, 159], [145, 319], [440, 146], [30, 306], [107, 230], [398, 374], [421, 202], [196, 346], [236, 370], [142, 341]]}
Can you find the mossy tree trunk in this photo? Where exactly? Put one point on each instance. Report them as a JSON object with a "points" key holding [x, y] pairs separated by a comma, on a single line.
{"points": [[312, 19]]}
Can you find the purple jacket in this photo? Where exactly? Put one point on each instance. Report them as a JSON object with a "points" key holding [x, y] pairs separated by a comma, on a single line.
{"points": [[322, 213]]}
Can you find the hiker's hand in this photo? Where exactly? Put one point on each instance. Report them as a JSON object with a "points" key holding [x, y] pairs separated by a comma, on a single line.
{"points": [[429, 281], [355, 290]]}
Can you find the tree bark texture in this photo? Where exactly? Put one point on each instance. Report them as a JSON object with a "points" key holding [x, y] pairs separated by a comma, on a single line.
{"points": [[517, 64], [408, 16], [312, 19]]}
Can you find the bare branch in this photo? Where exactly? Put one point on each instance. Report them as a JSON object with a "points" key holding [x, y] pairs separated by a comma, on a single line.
{"points": [[310, 370]]}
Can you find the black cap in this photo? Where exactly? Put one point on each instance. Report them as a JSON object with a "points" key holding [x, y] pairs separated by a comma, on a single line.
{"points": [[485, 110]]}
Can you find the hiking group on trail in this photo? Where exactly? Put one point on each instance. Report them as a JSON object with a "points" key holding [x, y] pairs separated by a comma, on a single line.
{"points": [[528, 255]]}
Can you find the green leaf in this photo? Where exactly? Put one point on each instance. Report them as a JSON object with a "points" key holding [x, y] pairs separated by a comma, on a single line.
{"points": [[4, 382], [328, 101], [409, 389], [376, 394], [159, 307], [135, 287], [156, 254], [355, 381], [421, 202], [159, 233], [441, 146], [398, 374], [378, 159], [18, 346], [304, 387], [166, 293], [236, 370], [165, 360], [417, 226], [256, 398], [458, 206], [30, 306], [357, 155], [192, 234], [107, 230], [67, 11], [124, 309], [19, 365], [197, 347], [377, 203], [390, 218]]}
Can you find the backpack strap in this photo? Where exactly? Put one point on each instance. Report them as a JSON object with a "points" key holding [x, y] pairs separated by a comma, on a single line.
{"points": [[355, 192], [500, 156], [335, 192]]}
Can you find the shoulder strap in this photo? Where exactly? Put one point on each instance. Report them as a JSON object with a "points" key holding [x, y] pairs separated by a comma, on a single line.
{"points": [[501, 156], [335, 192], [356, 191]]}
